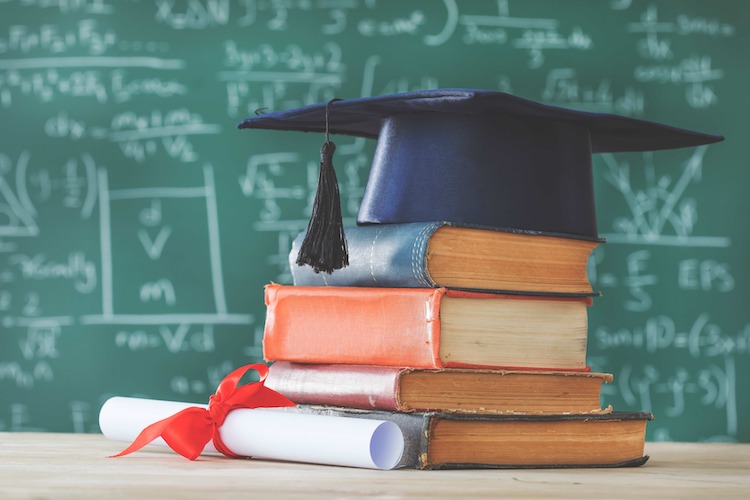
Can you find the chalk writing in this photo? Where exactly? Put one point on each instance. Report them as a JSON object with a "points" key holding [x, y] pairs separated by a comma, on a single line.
{"points": [[80, 271], [193, 14], [259, 181], [159, 291], [124, 88], [563, 87], [293, 58], [26, 377], [183, 337], [409, 24], [535, 35], [640, 278], [139, 135], [101, 7], [46, 86], [138, 227], [275, 15], [689, 25], [705, 275], [16, 210], [702, 339], [154, 246], [48, 38], [265, 77], [72, 185], [713, 386], [695, 71], [660, 206]]}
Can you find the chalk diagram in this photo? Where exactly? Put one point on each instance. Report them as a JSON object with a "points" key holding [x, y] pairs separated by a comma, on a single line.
{"points": [[19, 218], [660, 212], [16, 210], [153, 247]]}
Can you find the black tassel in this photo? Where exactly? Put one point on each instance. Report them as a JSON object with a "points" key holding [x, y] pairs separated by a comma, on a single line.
{"points": [[324, 246]]}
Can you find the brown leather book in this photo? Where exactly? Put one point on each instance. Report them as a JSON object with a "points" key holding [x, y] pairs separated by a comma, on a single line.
{"points": [[456, 441]]}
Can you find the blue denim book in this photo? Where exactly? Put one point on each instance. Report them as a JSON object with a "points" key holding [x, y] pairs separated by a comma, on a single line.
{"points": [[440, 254]]}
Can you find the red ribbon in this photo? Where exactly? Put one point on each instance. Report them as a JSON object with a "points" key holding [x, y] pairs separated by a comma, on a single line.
{"points": [[188, 431]]}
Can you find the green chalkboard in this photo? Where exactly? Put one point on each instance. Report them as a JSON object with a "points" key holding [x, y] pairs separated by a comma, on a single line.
{"points": [[138, 226]]}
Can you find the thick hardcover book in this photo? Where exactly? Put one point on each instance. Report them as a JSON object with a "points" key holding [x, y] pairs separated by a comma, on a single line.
{"points": [[456, 441], [449, 390], [424, 328], [438, 254]]}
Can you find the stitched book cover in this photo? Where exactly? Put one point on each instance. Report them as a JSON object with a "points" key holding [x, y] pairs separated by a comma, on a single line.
{"points": [[438, 254], [424, 328]]}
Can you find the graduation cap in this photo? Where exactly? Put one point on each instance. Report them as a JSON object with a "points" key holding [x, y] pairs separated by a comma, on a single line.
{"points": [[471, 157]]}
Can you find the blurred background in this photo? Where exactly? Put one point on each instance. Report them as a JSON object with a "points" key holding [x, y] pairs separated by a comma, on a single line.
{"points": [[138, 226]]}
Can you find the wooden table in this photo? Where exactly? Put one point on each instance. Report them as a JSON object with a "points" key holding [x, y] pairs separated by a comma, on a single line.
{"points": [[37, 465]]}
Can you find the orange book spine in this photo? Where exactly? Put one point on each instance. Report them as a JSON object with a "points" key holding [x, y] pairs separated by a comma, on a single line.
{"points": [[333, 325]]}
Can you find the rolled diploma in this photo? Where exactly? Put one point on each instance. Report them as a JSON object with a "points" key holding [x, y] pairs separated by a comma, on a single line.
{"points": [[271, 433]]}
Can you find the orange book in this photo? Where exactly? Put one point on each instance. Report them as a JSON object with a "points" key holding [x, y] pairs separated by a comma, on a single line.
{"points": [[424, 328]]}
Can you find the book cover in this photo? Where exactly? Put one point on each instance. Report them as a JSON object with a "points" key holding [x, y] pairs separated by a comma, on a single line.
{"points": [[439, 254], [448, 390], [423, 328], [454, 441]]}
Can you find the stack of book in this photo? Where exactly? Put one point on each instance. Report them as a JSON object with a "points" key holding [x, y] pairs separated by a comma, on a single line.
{"points": [[472, 340]]}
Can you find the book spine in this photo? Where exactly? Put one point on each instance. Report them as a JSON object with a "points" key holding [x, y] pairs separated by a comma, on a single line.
{"points": [[365, 386], [382, 255], [362, 326], [417, 431]]}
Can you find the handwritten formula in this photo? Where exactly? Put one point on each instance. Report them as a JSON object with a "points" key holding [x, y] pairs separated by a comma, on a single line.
{"points": [[138, 226]]}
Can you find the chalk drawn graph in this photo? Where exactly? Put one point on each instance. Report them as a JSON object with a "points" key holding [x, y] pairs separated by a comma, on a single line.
{"points": [[83, 187], [16, 210], [660, 212], [163, 288]]}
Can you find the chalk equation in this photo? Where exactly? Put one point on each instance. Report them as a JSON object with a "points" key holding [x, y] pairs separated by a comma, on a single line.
{"points": [[637, 274], [180, 338], [139, 136], [87, 7], [87, 276], [563, 86], [266, 77], [701, 337], [679, 392], [695, 72], [138, 226]]}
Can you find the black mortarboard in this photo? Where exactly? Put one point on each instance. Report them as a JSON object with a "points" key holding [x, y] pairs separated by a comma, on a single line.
{"points": [[480, 157]]}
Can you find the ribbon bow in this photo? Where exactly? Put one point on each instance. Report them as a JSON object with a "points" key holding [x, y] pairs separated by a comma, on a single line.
{"points": [[188, 431]]}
